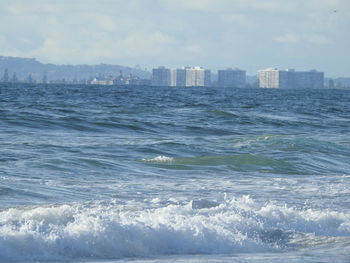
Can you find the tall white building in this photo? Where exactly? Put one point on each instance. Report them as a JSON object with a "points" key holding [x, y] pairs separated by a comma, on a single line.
{"points": [[269, 78], [161, 77], [290, 79], [182, 77], [173, 77], [197, 77], [235, 78]]}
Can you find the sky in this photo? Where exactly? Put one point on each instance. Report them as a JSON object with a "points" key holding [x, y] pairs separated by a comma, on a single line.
{"points": [[215, 34]]}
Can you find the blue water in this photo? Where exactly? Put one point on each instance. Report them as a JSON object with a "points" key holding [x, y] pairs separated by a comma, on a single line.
{"points": [[145, 174]]}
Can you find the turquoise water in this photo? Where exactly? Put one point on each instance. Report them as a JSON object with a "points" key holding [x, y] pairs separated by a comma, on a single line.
{"points": [[146, 174]]}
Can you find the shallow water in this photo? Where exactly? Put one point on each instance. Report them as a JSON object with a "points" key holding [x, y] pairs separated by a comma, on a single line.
{"points": [[145, 174]]}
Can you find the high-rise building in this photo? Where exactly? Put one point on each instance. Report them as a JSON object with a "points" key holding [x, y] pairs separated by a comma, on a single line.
{"points": [[161, 77], [197, 76], [178, 77], [290, 79], [269, 78], [234, 78], [173, 77], [181, 77], [310, 79]]}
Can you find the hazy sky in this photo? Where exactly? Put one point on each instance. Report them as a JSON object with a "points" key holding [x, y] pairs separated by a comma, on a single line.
{"points": [[249, 34]]}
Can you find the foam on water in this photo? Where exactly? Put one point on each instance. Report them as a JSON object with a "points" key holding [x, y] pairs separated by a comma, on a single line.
{"points": [[108, 230], [159, 159]]}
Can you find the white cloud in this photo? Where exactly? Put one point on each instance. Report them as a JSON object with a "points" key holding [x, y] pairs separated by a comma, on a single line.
{"points": [[146, 44], [238, 19], [287, 38], [319, 40], [290, 38], [192, 5], [193, 48]]}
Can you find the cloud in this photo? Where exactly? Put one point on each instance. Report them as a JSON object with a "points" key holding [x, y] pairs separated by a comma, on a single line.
{"points": [[192, 5], [290, 38], [94, 48], [244, 33], [287, 38], [147, 44], [193, 48], [238, 19], [319, 40]]}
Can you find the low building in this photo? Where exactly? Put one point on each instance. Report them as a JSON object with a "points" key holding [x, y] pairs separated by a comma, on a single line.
{"points": [[99, 81]]}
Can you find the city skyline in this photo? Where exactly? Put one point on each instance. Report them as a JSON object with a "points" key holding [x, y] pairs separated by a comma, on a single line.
{"points": [[215, 34], [32, 71], [236, 78]]}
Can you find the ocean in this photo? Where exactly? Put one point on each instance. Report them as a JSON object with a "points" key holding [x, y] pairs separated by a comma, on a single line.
{"points": [[167, 174]]}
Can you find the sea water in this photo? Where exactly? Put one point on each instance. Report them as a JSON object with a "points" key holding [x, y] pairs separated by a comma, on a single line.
{"points": [[165, 174]]}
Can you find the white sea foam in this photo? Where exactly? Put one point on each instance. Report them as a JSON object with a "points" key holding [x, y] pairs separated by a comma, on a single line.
{"points": [[107, 230], [159, 159]]}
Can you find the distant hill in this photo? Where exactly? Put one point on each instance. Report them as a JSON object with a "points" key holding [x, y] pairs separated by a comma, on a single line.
{"points": [[23, 67]]}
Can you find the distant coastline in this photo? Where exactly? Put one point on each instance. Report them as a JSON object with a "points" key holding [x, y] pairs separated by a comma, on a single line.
{"points": [[30, 70]]}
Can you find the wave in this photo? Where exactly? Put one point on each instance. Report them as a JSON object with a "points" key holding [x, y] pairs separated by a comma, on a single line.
{"points": [[238, 162], [106, 230]]}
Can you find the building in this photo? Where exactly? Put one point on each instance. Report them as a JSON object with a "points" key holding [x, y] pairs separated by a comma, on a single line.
{"points": [[197, 77], [310, 79], [101, 81], [173, 77], [178, 77], [268, 78], [182, 77], [290, 79], [235, 78], [161, 77]]}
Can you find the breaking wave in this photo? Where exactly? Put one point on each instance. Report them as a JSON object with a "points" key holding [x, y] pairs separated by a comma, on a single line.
{"points": [[107, 230]]}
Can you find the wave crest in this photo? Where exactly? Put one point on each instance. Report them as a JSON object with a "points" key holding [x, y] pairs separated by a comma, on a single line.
{"points": [[159, 159], [108, 230]]}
